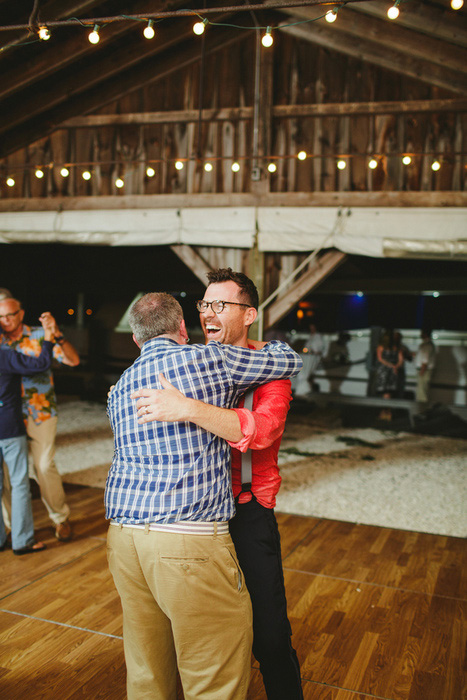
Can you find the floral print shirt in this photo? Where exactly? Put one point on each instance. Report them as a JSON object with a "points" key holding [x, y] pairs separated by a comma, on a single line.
{"points": [[39, 400]]}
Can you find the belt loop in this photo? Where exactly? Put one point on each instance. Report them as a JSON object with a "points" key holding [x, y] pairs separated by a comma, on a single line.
{"points": [[120, 526], [146, 529], [215, 528]]}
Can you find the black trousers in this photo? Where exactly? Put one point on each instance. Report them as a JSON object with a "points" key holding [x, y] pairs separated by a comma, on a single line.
{"points": [[256, 538]]}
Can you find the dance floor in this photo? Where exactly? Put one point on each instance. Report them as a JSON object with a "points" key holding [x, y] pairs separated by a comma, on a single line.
{"points": [[377, 613]]}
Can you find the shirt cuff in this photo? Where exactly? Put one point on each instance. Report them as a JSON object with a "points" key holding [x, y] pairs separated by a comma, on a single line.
{"points": [[248, 428]]}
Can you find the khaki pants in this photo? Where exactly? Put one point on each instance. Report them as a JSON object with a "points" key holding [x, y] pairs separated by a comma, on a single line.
{"points": [[42, 446], [184, 602], [423, 385]]}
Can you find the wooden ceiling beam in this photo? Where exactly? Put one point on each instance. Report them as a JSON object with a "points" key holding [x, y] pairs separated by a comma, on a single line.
{"points": [[193, 261], [105, 67], [102, 94], [383, 56], [322, 267], [60, 55], [393, 36], [55, 9], [93, 121], [440, 22]]}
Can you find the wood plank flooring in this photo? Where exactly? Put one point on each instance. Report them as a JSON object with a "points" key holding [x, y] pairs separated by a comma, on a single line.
{"points": [[377, 613]]}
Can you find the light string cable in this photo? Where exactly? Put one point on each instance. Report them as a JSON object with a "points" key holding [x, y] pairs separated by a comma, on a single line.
{"points": [[33, 26]]}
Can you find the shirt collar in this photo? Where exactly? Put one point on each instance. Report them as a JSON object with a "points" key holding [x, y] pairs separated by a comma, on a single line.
{"points": [[154, 343]]}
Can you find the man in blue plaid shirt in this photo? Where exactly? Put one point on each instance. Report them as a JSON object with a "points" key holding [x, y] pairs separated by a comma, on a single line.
{"points": [[169, 499]]}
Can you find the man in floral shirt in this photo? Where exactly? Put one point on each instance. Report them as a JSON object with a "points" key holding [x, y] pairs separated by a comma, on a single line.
{"points": [[40, 406]]}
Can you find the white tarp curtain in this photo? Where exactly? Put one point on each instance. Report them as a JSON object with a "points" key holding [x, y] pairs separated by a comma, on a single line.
{"points": [[375, 232], [231, 227]]}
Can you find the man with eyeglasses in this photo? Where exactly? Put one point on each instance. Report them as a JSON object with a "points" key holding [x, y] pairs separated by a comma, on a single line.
{"points": [[169, 499], [40, 407], [227, 311]]}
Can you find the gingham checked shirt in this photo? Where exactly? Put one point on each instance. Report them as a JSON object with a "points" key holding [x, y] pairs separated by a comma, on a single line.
{"points": [[166, 472]]}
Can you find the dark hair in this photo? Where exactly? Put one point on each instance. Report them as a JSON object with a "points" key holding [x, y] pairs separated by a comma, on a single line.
{"points": [[247, 287], [156, 313]]}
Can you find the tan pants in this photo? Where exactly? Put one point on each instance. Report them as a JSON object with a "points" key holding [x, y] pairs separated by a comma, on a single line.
{"points": [[42, 446], [184, 601]]}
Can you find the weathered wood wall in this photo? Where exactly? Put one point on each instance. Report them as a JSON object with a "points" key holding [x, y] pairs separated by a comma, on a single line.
{"points": [[300, 74]]}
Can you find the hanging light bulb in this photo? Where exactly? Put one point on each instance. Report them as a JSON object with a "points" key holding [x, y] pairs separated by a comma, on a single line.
{"points": [[331, 15], [208, 167], [267, 39], [86, 175], [119, 183], [235, 167], [199, 27], [93, 36], [148, 31], [457, 4], [10, 182], [39, 173], [150, 172], [64, 172], [393, 12], [179, 165], [44, 34], [436, 165], [341, 164], [373, 164], [301, 155], [406, 160], [272, 167]]}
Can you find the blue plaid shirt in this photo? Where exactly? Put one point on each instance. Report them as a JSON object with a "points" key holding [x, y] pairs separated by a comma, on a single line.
{"points": [[165, 472]]}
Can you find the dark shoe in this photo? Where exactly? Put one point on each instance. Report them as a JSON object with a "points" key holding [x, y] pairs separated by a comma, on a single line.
{"points": [[36, 547], [5, 545], [63, 531]]}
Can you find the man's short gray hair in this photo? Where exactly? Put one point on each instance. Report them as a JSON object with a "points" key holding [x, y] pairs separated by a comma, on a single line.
{"points": [[156, 313]]}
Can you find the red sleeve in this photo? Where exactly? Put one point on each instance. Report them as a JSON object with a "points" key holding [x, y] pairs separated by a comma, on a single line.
{"points": [[265, 424]]}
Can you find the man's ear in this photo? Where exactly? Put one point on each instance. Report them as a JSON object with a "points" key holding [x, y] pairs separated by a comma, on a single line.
{"points": [[183, 331], [134, 339], [251, 315]]}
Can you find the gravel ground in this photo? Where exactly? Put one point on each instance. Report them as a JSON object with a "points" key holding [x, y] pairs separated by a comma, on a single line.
{"points": [[375, 477]]}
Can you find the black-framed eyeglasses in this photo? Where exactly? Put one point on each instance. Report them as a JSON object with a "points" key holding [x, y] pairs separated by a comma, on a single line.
{"points": [[217, 306], [10, 315]]}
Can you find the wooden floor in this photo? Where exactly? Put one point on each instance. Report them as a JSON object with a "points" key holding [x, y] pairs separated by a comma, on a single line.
{"points": [[376, 613]]}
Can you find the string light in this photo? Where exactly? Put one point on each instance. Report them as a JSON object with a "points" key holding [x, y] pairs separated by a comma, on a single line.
{"points": [[119, 183], [331, 15], [150, 172], [301, 155], [39, 173], [148, 31], [93, 36], [373, 164], [10, 182], [208, 167], [267, 40], [235, 167], [86, 175], [272, 167], [178, 165], [406, 160], [44, 34], [341, 164], [436, 165], [199, 27], [457, 4], [64, 172], [393, 12]]}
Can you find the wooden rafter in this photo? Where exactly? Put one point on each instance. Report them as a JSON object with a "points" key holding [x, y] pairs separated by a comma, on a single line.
{"points": [[278, 111], [192, 260], [322, 267]]}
